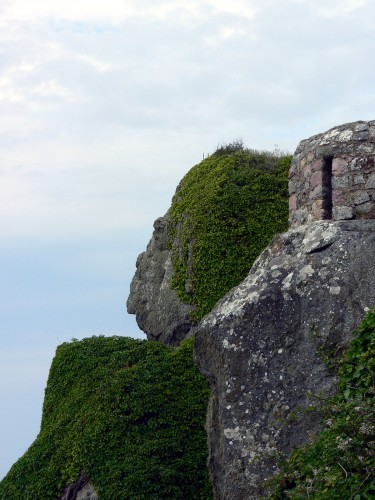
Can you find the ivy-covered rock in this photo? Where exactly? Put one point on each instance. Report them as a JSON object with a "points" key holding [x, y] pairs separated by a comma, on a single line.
{"points": [[224, 213], [127, 413]]}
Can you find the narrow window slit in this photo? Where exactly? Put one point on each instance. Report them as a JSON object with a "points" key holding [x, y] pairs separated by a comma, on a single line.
{"points": [[327, 187]]}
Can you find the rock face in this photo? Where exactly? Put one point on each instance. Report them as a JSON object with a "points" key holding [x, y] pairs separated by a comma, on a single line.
{"points": [[263, 347], [159, 313], [332, 175], [80, 490]]}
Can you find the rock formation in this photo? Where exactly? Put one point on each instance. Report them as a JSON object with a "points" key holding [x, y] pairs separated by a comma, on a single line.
{"points": [[159, 313], [264, 348]]}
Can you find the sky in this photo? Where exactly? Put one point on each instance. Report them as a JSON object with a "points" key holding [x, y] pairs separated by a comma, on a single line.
{"points": [[104, 106]]}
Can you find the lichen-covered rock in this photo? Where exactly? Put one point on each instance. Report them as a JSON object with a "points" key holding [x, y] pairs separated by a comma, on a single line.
{"points": [[264, 348], [159, 313]]}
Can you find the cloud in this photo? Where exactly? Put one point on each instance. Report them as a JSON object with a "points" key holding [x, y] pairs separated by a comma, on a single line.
{"points": [[120, 10], [104, 106]]}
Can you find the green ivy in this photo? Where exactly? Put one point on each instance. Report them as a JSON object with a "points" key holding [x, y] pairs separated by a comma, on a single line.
{"points": [[224, 213], [340, 463], [129, 413]]}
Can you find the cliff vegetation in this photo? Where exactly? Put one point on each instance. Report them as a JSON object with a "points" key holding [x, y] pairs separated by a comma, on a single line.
{"points": [[224, 213], [129, 413]]}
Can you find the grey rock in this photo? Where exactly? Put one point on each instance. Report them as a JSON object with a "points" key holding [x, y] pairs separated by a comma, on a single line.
{"points": [[260, 347], [87, 493], [371, 182], [361, 197], [342, 213], [159, 312], [359, 179], [81, 489]]}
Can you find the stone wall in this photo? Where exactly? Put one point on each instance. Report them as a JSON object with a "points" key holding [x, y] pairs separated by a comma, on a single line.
{"points": [[332, 176]]}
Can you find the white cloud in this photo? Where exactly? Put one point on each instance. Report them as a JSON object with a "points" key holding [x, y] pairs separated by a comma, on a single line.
{"points": [[119, 10]]}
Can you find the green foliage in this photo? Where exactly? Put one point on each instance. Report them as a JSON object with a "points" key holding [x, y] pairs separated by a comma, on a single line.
{"points": [[340, 463], [129, 413], [225, 212]]}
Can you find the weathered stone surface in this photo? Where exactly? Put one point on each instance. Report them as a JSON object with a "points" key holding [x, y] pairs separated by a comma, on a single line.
{"points": [[87, 493], [260, 347], [159, 313], [343, 213]]}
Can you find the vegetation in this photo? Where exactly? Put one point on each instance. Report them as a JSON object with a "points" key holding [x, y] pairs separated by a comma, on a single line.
{"points": [[340, 462], [225, 212], [129, 413]]}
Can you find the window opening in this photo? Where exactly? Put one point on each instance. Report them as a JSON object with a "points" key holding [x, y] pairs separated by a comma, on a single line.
{"points": [[327, 187]]}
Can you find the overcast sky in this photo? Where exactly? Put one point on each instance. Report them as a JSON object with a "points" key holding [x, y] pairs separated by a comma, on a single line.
{"points": [[104, 106]]}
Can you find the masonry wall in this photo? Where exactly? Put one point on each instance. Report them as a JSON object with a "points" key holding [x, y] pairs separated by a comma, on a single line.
{"points": [[332, 175]]}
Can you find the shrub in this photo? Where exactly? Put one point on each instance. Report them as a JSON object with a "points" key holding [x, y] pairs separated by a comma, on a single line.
{"points": [[129, 413], [224, 213]]}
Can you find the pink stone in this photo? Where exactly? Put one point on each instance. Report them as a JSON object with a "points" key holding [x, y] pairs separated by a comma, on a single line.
{"points": [[318, 213], [339, 166], [316, 178], [338, 197], [317, 165]]}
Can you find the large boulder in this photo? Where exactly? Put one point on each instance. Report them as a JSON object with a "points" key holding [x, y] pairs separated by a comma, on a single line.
{"points": [[265, 348], [159, 312]]}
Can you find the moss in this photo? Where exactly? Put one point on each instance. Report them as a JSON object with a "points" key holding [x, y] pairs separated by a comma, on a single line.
{"points": [[225, 212], [340, 462], [129, 413]]}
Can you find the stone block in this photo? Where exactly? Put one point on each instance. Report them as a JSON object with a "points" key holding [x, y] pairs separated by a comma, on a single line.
{"points": [[340, 182], [343, 213], [345, 135], [292, 187], [370, 184], [365, 208], [365, 148], [316, 192], [372, 134], [317, 165], [339, 198], [361, 197], [361, 136], [339, 166], [316, 178], [357, 163], [317, 209], [359, 179], [307, 171], [293, 202], [360, 127]]}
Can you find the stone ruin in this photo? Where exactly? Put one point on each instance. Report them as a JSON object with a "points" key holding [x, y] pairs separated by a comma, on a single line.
{"points": [[332, 175]]}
